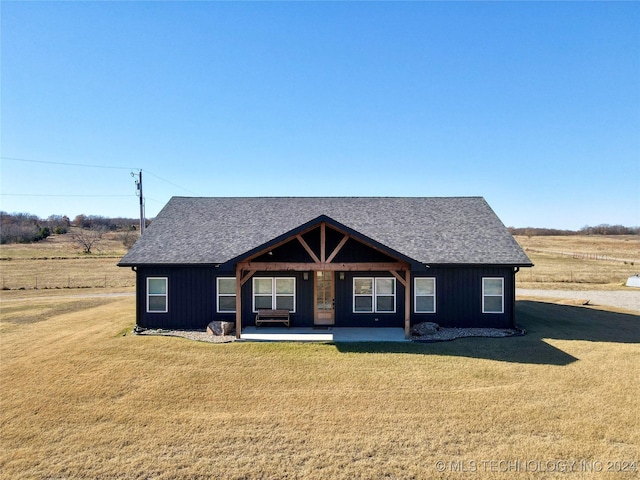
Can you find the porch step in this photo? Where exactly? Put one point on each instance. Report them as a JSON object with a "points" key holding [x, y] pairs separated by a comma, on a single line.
{"points": [[335, 334]]}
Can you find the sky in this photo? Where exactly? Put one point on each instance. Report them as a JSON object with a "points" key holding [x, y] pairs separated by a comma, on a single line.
{"points": [[533, 105]]}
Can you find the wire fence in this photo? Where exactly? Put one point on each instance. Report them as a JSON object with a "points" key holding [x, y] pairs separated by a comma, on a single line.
{"points": [[43, 282], [586, 256]]}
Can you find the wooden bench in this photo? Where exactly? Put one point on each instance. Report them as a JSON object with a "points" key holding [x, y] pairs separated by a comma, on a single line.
{"points": [[272, 316]]}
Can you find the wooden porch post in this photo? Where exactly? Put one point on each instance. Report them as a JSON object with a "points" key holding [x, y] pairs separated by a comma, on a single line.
{"points": [[407, 305], [406, 283]]}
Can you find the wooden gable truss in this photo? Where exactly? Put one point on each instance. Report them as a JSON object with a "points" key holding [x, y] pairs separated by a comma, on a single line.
{"points": [[320, 261]]}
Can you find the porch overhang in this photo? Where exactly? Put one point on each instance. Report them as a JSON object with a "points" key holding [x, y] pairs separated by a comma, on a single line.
{"points": [[322, 266], [322, 260]]}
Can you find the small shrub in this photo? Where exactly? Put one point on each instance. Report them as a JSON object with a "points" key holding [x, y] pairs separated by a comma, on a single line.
{"points": [[128, 238], [42, 234]]}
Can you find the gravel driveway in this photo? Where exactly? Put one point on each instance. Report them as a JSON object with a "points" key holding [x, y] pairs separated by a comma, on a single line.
{"points": [[627, 299]]}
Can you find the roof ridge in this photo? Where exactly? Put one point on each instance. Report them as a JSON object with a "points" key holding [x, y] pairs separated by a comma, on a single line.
{"points": [[331, 197]]}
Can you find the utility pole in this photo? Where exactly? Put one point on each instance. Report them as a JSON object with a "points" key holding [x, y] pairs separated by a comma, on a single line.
{"points": [[139, 193]]}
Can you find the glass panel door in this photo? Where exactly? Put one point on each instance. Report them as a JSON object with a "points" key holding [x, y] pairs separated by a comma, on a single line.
{"points": [[324, 299]]}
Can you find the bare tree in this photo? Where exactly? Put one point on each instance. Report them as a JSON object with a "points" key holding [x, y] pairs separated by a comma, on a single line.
{"points": [[88, 237]]}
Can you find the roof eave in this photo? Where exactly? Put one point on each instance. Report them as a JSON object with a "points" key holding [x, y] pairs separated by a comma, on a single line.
{"points": [[480, 264], [169, 264]]}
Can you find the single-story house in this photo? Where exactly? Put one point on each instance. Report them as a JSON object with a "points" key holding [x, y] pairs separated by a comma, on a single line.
{"points": [[345, 262]]}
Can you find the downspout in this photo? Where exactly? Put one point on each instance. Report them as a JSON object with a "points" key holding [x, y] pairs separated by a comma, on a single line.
{"points": [[135, 269], [513, 307], [238, 301]]}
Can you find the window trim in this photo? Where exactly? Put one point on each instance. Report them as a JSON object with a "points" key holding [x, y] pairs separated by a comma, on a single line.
{"points": [[485, 295], [274, 295], [218, 295], [165, 295], [374, 295], [371, 295], [415, 295]]}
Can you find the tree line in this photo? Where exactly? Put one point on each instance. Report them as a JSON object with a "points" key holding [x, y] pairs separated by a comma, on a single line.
{"points": [[27, 228], [603, 229]]}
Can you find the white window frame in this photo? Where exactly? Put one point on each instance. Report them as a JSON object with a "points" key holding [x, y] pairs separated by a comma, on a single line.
{"points": [[165, 295], [218, 295], [485, 295], [374, 294], [370, 295], [415, 294], [274, 295]]}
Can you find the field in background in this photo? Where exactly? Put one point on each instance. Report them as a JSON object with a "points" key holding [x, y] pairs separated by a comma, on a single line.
{"points": [[58, 263], [576, 262], [579, 262]]}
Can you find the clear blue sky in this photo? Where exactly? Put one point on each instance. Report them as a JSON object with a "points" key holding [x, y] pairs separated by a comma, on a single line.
{"points": [[535, 106]]}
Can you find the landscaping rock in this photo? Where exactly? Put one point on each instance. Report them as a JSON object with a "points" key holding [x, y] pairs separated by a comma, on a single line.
{"points": [[452, 333], [220, 328], [425, 328]]}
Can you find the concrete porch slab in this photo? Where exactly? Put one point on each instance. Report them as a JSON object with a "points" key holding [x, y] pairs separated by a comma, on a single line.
{"points": [[331, 334]]}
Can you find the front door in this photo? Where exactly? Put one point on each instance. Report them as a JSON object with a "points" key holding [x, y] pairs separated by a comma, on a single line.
{"points": [[324, 299]]}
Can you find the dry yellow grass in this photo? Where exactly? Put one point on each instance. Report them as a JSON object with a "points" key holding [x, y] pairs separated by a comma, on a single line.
{"points": [[579, 262], [80, 400]]}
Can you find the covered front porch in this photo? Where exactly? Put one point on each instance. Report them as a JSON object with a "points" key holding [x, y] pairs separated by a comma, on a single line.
{"points": [[327, 334], [326, 255]]}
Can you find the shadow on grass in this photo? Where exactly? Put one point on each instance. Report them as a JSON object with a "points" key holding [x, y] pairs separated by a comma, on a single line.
{"points": [[541, 321]]}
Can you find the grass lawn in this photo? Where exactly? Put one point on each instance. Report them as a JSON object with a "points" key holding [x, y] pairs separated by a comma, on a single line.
{"points": [[81, 400]]}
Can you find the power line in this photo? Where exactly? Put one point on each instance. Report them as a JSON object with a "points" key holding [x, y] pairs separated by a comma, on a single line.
{"points": [[170, 183], [85, 165], [56, 195], [67, 163]]}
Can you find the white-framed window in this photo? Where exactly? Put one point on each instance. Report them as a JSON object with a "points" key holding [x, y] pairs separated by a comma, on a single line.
{"points": [[276, 293], [374, 295], [424, 300], [157, 295], [493, 295], [226, 293]]}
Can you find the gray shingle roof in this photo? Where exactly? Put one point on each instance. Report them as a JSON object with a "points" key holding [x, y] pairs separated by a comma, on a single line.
{"points": [[457, 230]]}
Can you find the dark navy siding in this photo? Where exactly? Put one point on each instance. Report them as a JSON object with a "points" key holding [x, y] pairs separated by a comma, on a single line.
{"points": [[459, 297], [303, 316], [191, 303], [345, 317], [192, 298]]}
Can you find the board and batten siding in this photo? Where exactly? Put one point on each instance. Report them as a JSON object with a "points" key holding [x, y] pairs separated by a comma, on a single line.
{"points": [[459, 297], [190, 297], [345, 316], [303, 315]]}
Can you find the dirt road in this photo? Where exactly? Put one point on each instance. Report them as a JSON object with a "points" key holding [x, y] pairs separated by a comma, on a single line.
{"points": [[627, 299]]}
